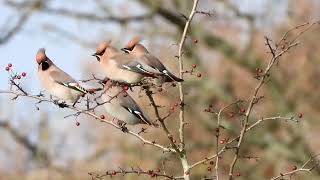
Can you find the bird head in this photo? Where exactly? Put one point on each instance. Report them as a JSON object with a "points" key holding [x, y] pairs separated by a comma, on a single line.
{"points": [[41, 56], [134, 46], [101, 49], [43, 61]]}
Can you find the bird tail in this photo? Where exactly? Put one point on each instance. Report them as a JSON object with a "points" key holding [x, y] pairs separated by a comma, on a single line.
{"points": [[148, 122], [172, 77]]}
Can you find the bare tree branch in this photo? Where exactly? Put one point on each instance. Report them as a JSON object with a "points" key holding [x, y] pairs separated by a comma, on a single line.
{"points": [[183, 155]]}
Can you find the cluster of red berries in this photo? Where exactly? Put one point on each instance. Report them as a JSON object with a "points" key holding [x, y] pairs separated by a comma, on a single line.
{"points": [[172, 108], [194, 66], [209, 167], [9, 67]]}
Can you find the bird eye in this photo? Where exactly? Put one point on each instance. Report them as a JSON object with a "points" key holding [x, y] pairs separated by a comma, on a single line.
{"points": [[45, 65]]}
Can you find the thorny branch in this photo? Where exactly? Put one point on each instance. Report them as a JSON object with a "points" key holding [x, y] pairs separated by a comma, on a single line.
{"points": [[303, 168], [138, 171], [42, 99], [161, 120], [276, 54], [229, 142]]}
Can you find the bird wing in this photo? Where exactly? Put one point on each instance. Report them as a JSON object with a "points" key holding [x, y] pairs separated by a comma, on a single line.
{"points": [[66, 80], [130, 105], [155, 63], [133, 64]]}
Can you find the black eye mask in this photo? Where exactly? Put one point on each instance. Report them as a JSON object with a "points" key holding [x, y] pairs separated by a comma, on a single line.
{"points": [[44, 65], [127, 50]]}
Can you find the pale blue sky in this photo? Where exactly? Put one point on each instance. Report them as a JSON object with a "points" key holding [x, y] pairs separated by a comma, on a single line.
{"points": [[21, 50]]}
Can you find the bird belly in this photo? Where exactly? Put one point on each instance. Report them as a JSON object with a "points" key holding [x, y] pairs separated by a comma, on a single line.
{"points": [[120, 113], [60, 91]]}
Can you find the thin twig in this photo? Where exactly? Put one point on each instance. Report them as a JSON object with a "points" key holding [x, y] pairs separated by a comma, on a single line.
{"points": [[296, 170], [228, 143], [183, 156], [41, 99]]}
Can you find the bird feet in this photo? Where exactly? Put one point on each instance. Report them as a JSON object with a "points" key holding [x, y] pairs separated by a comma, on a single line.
{"points": [[123, 126], [60, 104]]}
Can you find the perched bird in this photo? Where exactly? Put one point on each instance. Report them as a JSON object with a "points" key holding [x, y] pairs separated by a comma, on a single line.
{"points": [[135, 48], [122, 67], [121, 106], [56, 81]]}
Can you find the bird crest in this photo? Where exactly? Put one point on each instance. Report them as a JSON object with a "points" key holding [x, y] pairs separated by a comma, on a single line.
{"points": [[133, 42], [41, 55]]}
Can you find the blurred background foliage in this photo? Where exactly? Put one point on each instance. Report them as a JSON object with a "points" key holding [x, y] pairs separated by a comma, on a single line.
{"points": [[227, 46]]}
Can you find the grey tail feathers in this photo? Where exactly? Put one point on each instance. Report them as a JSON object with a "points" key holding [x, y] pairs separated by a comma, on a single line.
{"points": [[171, 77]]}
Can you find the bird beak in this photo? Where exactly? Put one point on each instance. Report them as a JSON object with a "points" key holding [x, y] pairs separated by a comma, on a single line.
{"points": [[126, 50], [95, 55]]}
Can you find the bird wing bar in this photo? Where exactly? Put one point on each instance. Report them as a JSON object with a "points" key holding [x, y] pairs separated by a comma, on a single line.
{"points": [[130, 105], [73, 86], [136, 67]]}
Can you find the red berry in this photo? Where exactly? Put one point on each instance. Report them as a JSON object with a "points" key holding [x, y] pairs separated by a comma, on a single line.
{"points": [[238, 174], [9, 65], [24, 74], [199, 75], [211, 162], [18, 77], [300, 115], [222, 141], [102, 116], [171, 108], [125, 88], [176, 104], [194, 66], [160, 90], [77, 123], [209, 168], [231, 114], [7, 68], [195, 41], [242, 110], [293, 168]]}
